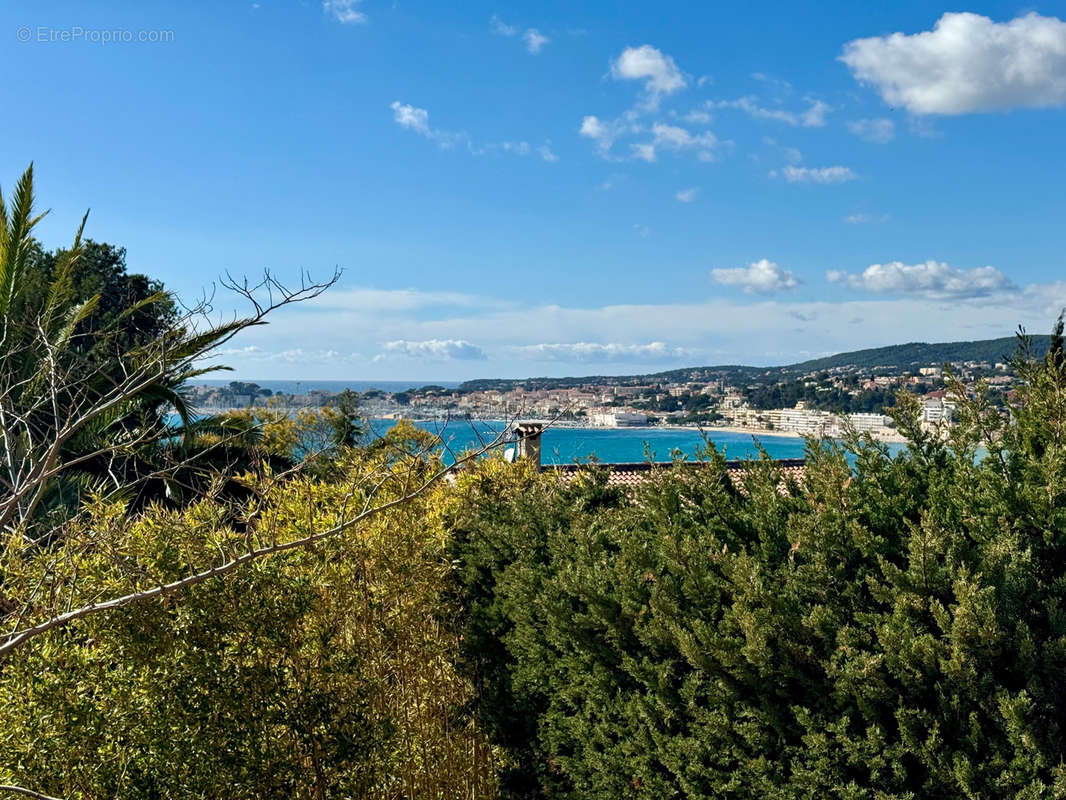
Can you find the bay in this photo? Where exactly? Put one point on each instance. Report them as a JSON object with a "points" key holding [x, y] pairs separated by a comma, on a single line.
{"points": [[564, 445]]}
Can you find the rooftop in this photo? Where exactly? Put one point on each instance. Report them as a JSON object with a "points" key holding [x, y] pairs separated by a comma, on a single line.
{"points": [[635, 474]]}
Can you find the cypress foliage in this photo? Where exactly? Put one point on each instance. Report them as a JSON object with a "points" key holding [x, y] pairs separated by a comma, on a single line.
{"points": [[893, 628]]}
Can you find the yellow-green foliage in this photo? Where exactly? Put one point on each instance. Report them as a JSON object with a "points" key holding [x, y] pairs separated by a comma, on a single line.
{"points": [[325, 672]]}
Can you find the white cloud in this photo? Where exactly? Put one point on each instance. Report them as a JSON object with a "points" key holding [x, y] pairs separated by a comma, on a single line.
{"points": [[687, 195], [664, 137], [642, 230], [660, 77], [817, 174], [438, 349], [759, 277], [594, 351], [932, 279], [676, 139], [792, 154], [660, 74], [645, 152], [603, 132], [545, 152], [502, 28], [408, 116], [770, 80], [812, 117], [923, 128], [417, 120], [534, 40], [865, 219], [967, 63], [877, 131], [593, 128], [344, 11]]}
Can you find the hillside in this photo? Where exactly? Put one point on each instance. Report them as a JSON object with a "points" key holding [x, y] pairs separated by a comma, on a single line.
{"points": [[895, 357], [912, 354]]}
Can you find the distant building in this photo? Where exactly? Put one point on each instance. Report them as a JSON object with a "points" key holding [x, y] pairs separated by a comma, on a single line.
{"points": [[619, 419], [869, 423], [801, 420], [937, 409]]}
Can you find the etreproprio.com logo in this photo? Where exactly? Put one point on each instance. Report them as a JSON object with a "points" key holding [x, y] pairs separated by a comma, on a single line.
{"points": [[43, 34]]}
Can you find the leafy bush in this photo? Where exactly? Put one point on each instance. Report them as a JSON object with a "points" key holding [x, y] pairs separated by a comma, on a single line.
{"points": [[328, 672]]}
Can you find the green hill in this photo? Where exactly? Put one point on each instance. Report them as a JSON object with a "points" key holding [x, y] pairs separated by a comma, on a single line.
{"points": [[897, 357], [914, 354]]}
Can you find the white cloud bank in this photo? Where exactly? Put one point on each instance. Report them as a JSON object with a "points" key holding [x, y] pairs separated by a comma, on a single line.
{"points": [[595, 351], [967, 63], [756, 330], [436, 349], [824, 175], [759, 277], [932, 279]]}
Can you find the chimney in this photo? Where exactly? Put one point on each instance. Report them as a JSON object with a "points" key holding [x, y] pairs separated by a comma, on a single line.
{"points": [[529, 440]]}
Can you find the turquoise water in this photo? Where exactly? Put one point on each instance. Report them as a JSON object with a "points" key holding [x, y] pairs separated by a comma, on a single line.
{"points": [[616, 445]]}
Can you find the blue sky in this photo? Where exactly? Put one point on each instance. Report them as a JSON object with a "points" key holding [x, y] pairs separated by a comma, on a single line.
{"points": [[560, 188]]}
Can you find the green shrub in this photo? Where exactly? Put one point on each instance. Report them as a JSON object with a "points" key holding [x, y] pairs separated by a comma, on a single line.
{"points": [[893, 628]]}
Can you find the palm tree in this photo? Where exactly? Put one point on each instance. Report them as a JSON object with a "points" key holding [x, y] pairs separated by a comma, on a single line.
{"points": [[83, 404]]}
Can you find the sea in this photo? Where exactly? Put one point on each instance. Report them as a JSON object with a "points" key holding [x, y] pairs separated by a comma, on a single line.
{"points": [[565, 445]]}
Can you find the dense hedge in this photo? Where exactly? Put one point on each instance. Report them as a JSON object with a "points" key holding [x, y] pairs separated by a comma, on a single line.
{"points": [[894, 628]]}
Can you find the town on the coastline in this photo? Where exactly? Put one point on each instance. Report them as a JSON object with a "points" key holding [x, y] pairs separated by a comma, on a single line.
{"points": [[821, 402]]}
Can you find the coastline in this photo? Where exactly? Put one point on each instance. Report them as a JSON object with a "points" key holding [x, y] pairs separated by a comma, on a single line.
{"points": [[892, 437]]}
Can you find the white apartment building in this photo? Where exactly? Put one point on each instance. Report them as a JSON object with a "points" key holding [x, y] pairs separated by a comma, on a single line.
{"points": [[936, 409], [866, 423], [618, 419], [801, 420]]}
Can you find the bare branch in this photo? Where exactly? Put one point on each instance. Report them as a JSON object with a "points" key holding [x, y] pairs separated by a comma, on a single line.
{"points": [[19, 790]]}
